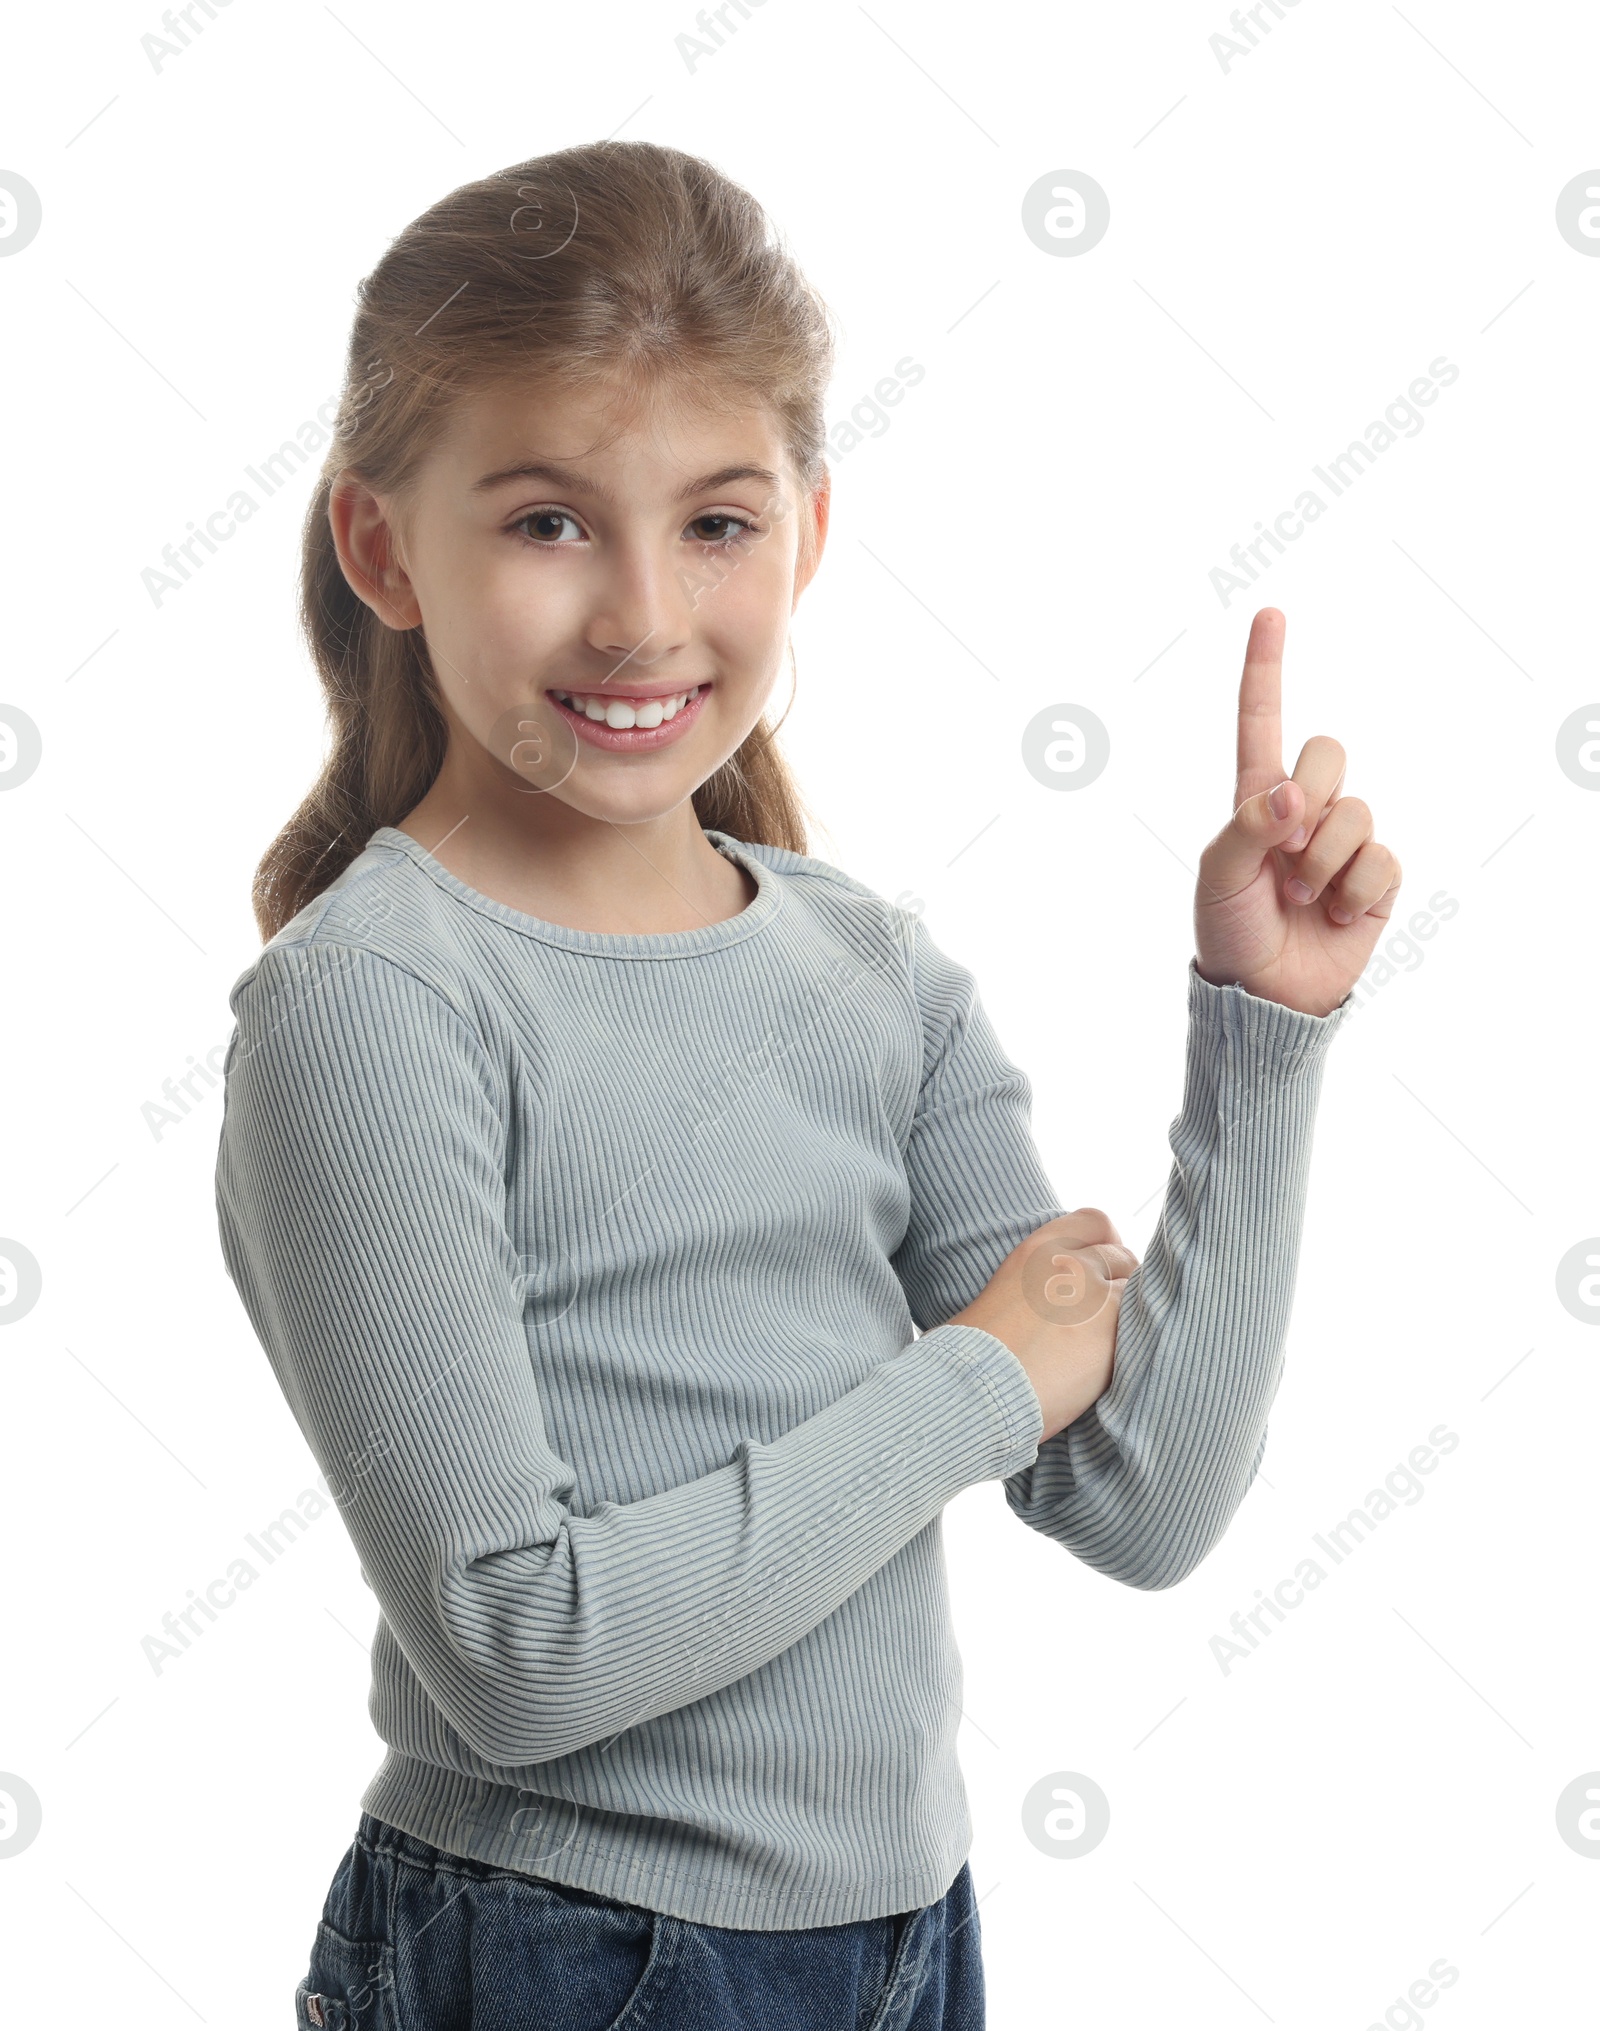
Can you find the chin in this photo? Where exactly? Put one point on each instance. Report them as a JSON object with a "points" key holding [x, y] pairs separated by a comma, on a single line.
{"points": [[628, 802]]}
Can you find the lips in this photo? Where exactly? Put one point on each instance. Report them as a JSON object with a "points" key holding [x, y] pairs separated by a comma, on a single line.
{"points": [[625, 709], [630, 723]]}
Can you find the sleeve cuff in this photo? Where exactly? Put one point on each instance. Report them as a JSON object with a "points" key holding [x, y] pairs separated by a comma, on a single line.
{"points": [[1266, 1031], [1018, 1416]]}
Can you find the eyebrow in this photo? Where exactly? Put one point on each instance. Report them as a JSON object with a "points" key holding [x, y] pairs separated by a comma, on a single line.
{"points": [[573, 482]]}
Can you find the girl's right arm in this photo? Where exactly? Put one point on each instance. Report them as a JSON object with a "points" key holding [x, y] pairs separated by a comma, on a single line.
{"points": [[361, 1196]]}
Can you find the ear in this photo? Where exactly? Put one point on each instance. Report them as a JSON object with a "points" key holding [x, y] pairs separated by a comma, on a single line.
{"points": [[806, 565], [369, 554]]}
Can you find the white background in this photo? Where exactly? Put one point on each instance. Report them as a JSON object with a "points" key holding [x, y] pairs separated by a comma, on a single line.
{"points": [[1292, 242]]}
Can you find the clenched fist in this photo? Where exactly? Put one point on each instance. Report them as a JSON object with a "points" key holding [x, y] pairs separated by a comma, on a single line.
{"points": [[1054, 1302]]}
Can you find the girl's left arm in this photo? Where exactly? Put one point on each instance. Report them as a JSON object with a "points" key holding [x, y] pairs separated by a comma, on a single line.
{"points": [[1143, 1484]]}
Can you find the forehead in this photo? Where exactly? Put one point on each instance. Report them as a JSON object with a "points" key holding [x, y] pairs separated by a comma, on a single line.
{"points": [[671, 430]]}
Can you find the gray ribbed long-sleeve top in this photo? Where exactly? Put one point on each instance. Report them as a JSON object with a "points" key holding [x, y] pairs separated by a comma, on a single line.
{"points": [[592, 1267]]}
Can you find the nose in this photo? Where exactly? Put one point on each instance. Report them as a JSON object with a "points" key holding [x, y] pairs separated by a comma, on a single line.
{"points": [[641, 611]]}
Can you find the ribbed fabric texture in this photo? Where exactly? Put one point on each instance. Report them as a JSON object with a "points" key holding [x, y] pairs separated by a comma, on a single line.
{"points": [[593, 1269]]}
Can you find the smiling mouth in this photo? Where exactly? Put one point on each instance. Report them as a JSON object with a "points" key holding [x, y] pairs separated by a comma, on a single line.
{"points": [[605, 708]]}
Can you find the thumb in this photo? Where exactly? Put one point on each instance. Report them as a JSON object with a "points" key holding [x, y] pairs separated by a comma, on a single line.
{"points": [[1233, 859]]}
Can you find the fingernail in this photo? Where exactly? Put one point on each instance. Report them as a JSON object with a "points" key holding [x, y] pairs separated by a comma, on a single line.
{"points": [[1279, 800], [1296, 840], [1297, 891], [1342, 916]]}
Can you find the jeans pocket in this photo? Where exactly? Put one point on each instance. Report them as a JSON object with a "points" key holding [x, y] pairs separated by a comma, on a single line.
{"points": [[564, 1960], [909, 1946], [349, 1986], [646, 1993]]}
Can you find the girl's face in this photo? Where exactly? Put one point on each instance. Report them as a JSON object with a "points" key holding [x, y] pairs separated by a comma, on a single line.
{"points": [[605, 593]]}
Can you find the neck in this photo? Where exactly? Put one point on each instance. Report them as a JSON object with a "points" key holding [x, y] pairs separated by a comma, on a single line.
{"points": [[535, 853]]}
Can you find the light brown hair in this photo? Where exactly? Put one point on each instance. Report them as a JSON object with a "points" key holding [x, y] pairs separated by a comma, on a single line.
{"points": [[616, 263]]}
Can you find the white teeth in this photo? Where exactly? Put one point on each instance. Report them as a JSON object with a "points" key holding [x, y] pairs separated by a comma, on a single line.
{"points": [[618, 712]]}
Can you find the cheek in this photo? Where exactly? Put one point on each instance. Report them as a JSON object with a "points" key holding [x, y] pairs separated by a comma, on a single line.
{"points": [[744, 618], [495, 623]]}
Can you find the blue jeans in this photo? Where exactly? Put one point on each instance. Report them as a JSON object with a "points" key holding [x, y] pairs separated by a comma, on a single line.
{"points": [[413, 1939]]}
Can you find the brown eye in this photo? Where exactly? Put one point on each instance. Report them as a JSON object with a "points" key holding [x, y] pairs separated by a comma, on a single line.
{"points": [[732, 528], [538, 523]]}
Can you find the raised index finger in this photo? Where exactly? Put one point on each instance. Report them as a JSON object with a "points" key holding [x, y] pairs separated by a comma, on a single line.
{"points": [[1260, 757]]}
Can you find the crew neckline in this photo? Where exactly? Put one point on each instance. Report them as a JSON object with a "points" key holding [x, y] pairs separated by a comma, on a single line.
{"points": [[610, 944]]}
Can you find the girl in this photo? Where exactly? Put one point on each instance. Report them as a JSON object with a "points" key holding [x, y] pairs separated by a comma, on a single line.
{"points": [[640, 1216]]}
